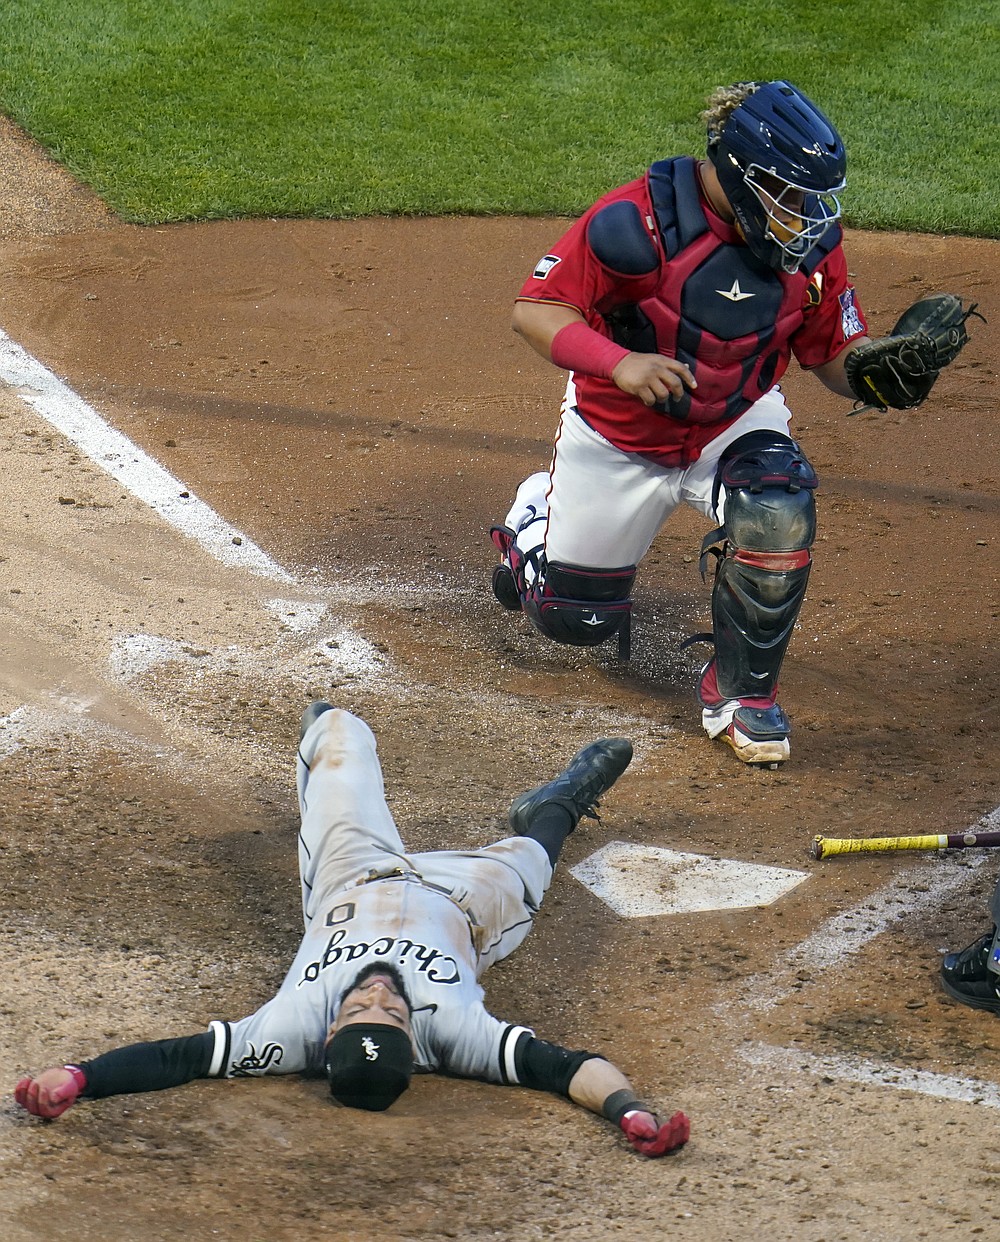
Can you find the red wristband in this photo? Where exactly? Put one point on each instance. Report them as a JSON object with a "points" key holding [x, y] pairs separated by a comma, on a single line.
{"points": [[79, 1077], [578, 347]]}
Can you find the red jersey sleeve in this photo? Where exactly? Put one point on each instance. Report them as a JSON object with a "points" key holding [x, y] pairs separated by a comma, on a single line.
{"points": [[570, 274], [833, 315]]}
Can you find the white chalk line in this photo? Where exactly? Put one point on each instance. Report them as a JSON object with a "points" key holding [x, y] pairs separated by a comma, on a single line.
{"points": [[841, 937], [134, 469], [872, 1073], [846, 934], [154, 486], [147, 480], [26, 726]]}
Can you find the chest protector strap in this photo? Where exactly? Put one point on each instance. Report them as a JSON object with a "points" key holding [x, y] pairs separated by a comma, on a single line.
{"points": [[673, 189]]}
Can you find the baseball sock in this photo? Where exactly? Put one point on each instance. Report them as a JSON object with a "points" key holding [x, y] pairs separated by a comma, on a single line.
{"points": [[550, 828]]}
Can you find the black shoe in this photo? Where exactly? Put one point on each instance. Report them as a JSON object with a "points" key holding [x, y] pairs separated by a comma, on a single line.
{"points": [[505, 588], [588, 775], [504, 583], [967, 977], [312, 714]]}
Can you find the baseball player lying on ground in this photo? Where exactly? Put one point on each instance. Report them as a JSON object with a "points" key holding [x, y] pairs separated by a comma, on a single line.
{"points": [[385, 980]]}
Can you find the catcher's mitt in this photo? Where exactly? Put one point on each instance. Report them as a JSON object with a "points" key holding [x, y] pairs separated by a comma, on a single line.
{"points": [[899, 370]]}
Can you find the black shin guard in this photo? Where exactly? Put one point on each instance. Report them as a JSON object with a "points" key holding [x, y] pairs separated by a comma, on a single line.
{"points": [[764, 562], [753, 614]]}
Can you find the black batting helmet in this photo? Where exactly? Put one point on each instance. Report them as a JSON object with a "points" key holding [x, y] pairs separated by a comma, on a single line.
{"points": [[369, 1065]]}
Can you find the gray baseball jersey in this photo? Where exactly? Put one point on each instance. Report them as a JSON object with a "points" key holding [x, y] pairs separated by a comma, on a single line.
{"points": [[441, 918], [400, 922]]}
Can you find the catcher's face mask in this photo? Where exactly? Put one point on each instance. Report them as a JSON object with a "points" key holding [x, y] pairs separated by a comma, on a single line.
{"points": [[794, 217]]}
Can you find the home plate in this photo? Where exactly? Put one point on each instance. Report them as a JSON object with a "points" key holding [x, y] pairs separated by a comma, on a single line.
{"points": [[637, 881]]}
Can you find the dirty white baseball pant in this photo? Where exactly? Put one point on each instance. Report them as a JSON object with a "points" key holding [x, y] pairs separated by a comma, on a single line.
{"points": [[600, 507], [348, 835]]}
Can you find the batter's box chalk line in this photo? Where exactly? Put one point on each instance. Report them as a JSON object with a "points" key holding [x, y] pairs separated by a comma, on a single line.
{"points": [[871, 1073]]}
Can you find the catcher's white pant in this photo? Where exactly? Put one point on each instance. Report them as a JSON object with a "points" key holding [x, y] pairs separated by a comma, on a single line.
{"points": [[600, 508], [348, 837]]}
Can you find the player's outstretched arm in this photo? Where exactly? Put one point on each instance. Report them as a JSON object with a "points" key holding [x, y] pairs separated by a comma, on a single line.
{"points": [[602, 1088], [833, 374], [136, 1067]]}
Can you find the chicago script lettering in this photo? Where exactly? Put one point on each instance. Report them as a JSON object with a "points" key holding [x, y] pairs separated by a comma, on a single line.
{"points": [[434, 965]]}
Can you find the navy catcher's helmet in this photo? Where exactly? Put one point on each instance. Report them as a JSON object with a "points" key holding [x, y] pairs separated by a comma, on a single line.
{"points": [[781, 164]]}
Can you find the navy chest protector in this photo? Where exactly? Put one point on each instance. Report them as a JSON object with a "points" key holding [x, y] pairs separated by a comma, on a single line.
{"points": [[716, 307]]}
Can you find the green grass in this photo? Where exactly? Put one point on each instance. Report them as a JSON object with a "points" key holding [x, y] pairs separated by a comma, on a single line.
{"points": [[186, 109]]}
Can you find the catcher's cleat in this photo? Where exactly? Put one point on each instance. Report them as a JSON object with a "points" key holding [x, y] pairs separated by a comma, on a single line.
{"points": [[504, 582], [312, 714], [505, 588], [590, 773], [756, 729], [967, 978]]}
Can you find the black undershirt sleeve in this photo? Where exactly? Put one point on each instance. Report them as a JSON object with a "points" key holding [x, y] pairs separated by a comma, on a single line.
{"points": [[545, 1066], [149, 1067]]}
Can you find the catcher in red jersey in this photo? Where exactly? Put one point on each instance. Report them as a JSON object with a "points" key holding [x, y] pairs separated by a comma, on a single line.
{"points": [[386, 978], [676, 303]]}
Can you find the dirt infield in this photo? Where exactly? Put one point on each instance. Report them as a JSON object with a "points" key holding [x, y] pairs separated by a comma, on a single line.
{"points": [[349, 397]]}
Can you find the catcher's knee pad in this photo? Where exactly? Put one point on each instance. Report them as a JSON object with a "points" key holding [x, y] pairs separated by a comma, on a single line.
{"points": [[764, 561], [580, 606], [769, 494]]}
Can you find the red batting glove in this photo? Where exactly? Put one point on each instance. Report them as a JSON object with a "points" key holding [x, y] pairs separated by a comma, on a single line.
{"points": [[51, 1093], [650, 1139]]}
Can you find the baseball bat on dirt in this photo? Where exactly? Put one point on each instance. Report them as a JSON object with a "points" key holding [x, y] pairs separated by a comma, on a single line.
{"points": [[826, 847]]}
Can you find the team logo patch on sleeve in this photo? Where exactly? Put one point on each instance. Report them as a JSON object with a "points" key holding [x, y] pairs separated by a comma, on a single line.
{"points": [[849, 318], [814, 291], [544, 266], [257, 1062]]}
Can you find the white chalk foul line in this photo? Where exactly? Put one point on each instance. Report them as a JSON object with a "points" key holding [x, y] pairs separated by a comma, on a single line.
{"points": [[872, 1073], [841, 937], [144, 477], [847, 933]]}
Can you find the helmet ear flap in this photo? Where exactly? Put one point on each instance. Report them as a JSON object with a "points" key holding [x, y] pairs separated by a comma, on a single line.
{"points": [[746, 206]]}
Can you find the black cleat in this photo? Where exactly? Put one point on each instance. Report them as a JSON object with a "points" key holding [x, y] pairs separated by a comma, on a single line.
{"points": [[505, 588], [590, 773], [967, 978], [504, 583], [312, 714]]}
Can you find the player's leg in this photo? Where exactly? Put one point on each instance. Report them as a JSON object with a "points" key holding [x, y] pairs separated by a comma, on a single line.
{"points": [[574, 537], [972, 975], [521, 540], [762, 488], [346, 828], [502, 885]]}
